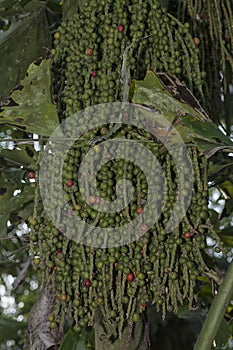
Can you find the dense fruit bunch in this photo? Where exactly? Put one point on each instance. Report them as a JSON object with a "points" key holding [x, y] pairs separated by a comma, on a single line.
{"points": [[91, 49], [211, 25], [159, 267], [94, 51]]}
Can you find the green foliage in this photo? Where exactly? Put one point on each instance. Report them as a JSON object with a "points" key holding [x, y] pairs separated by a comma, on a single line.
{"points": [[29, 31], [69, 6], [75, 341], [32, 108], [9, 328], [11, 204]]}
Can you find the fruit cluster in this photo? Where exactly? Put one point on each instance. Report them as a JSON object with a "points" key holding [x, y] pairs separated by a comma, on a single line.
{"points": [[159, 267], [213, 35], [93, 50]]}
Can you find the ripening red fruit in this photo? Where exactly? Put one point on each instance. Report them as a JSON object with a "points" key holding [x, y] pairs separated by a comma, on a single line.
{"points": [[69, 183], [97, 200], [59, 255], [144, 305], [94, 74], [89, 52], [187, 234], [116, 264], [120, 28], [58, 251], [130, 277], [31, 175], [87, 283], [140, 210]]}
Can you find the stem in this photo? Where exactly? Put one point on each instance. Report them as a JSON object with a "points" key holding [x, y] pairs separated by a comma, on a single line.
{"points": [[216, 312], [134, 336]]}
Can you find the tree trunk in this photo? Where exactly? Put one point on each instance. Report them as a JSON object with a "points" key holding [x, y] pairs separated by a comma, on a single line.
{"points": [[135, 336]]}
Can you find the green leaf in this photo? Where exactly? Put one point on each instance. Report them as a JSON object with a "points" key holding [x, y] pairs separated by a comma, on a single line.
{"points": [[73, 341], [70, 7], [224, 334], [207, 131], [228, 240], [185, 313], [191, 121], [12, 7], [15, 175], [22, 155], [34, 110], [26, 211], [216, 168], [9, 328], [9, 203], [29, 36]]}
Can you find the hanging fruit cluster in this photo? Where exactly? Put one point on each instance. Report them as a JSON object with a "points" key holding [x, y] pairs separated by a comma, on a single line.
{"points": [[90, 47], [160, 267], [211, 25]]}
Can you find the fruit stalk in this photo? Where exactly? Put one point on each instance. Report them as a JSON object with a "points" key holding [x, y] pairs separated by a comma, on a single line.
{"points": [[216, 312], [135, 336]]}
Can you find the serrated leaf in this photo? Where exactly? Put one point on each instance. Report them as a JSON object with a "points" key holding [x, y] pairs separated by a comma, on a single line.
{"points": [[29, 35], [34, 110]]}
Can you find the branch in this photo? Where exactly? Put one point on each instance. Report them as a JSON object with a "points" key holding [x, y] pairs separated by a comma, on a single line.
{"points": [[216, 312], [22, 273]]}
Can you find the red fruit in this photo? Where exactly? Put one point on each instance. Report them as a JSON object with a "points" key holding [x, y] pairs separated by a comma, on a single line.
{"points": [[59, 254], [144, 305], [187, 234], [87, 283], [116, 264], [130, 277], [89, 52], [31, 175], [97, 200], [69, 183], [120, 28], [143, 228], [94, 73], [140, 210]]}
